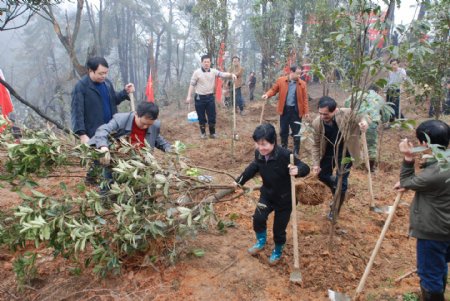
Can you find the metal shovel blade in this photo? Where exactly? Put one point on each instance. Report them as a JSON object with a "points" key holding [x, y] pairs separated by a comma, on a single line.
{"points": [[335, 296], [296, 276], [382, 209]]}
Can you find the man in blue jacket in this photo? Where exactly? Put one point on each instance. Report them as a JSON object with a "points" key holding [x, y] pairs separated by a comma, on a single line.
{"points": [[429, 216], [94, 100]]}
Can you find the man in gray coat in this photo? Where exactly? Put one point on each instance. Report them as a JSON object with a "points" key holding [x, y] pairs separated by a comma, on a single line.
{"points": [[141, 126], [429, 216]]}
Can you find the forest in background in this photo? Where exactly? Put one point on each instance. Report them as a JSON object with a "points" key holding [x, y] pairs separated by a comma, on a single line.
{"points": [[50, 41]]}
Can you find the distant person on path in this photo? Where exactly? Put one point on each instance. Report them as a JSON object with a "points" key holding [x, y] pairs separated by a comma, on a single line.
{"points": [[447, 100], [203, 81], [327, 133], [238, 71], [94, 100], [429, 216], [445, 105], [252, 85], [272, 162], [292, 105], [396, 77]]}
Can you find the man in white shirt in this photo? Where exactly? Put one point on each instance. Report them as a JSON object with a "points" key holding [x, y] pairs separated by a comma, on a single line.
{"points": [[396, 77], [203, 81]]}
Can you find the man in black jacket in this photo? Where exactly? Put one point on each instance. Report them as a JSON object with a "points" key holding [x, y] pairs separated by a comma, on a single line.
{"points": [[272, 163], [94, 100]]}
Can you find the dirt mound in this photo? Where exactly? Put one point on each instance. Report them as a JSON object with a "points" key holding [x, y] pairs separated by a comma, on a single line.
{"points": [[311, 191]]}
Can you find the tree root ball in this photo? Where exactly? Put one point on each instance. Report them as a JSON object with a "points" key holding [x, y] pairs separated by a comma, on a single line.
{"points": [[311, 192]]}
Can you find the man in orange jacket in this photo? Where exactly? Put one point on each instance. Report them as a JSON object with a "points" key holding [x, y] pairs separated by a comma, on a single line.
{"points": [[292, 105]]}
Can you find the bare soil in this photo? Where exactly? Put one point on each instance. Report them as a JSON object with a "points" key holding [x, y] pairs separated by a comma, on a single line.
{"points": [[227, 272]]}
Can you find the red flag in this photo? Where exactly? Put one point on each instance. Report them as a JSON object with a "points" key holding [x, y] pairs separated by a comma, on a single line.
{"points": [[220, 68], [5, 101], [149, 90]]}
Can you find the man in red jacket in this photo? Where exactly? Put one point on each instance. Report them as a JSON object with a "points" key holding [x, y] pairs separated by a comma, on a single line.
{"points": [[292, 105]]}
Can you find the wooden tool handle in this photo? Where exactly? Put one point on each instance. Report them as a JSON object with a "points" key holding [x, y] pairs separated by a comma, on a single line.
{"points": [[132, 101], [366, 159], [262, 112], [294, 219], [378, 245]]}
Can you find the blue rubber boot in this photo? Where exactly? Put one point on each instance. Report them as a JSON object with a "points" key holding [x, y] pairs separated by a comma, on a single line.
{"points": [[261, 238], [276, 254]]}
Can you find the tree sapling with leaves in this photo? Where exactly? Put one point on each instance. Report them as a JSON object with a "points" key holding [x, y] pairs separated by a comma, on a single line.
{"points": [[374, 105], [272, 163]]}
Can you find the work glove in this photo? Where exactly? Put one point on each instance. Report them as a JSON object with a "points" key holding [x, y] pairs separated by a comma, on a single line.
{"points": [[106, 159]]}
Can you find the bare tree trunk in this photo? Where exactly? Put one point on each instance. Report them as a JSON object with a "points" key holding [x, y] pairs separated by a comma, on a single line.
{"points": [[169, 46], [390, 18], [68, 40], [183, 57], [131, 47], [122, 24], [157, 53]]}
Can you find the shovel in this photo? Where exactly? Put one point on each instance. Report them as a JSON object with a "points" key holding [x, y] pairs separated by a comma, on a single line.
{"points": [[384, 209], [262, 112], [334, 296], [235, 135], [132, 101], [296, 275]]}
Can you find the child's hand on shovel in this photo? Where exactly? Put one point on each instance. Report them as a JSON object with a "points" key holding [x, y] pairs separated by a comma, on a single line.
{"points": [[398, 188], [293, 169]]}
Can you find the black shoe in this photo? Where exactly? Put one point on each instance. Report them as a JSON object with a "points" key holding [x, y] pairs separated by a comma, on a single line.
{"points": [[428, 296], [90, 181]]}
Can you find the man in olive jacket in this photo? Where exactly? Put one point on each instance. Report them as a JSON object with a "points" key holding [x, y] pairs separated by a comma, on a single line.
{"points": [[327, 143], [429, 215]]}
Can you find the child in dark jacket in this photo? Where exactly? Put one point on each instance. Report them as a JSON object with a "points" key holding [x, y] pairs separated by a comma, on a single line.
{"points": [[272, 163]]}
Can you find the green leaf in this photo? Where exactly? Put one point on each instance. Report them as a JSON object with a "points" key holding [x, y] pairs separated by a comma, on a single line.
{"points": [[346, 160], [198, 252], [419, 149], [38, 194]]}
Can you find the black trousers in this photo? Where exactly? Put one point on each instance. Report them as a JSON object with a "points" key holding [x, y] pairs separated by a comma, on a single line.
{"points": [[251, 90], [205, 106], [393, 96], [289, 119], [326, 173], [280, 222]]}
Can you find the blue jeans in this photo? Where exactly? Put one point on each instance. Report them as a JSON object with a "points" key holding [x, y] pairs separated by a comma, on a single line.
{"points": [[239, 99], [432, 259]]}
